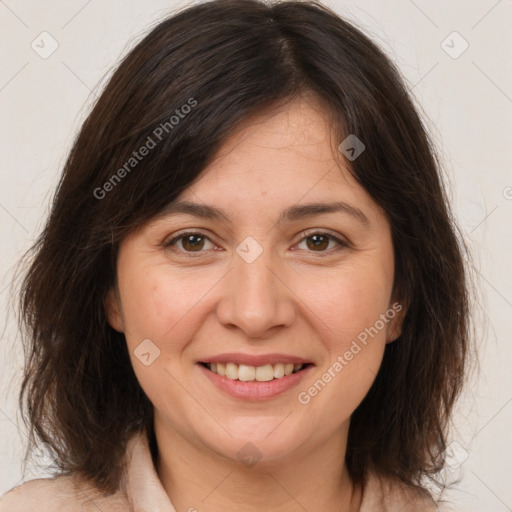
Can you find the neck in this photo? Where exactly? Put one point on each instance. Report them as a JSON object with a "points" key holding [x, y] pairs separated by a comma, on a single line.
{"points": [[197, 478]]}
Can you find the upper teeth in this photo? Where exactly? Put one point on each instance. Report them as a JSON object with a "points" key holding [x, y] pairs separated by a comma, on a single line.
{"points": [[246, 373]]}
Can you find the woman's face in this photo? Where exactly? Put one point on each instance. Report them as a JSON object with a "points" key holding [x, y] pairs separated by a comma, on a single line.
{"points": [[277, 259]]}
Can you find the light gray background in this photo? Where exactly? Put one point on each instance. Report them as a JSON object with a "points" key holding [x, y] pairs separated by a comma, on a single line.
{"points": [[467, 101]]}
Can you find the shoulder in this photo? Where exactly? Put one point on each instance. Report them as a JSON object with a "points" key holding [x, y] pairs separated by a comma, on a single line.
{"points": [[386, 495], [47, 493], [59, 494]]}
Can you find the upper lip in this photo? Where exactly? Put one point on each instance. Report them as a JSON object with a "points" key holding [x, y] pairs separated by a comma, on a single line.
{"points": [[255, 360]]}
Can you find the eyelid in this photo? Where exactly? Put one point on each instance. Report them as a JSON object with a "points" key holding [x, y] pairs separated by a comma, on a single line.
{"points": [[343, 241], [168, 241]]}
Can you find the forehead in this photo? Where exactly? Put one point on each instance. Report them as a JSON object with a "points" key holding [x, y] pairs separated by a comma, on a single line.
{"points": [[278, 158], [297, 130]]}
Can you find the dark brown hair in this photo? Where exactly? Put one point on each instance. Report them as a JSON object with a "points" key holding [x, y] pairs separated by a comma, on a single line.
{"points": [[229, 60]]}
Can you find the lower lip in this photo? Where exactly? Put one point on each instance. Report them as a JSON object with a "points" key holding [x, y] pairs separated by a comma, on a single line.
{"points": [[255, 390]]}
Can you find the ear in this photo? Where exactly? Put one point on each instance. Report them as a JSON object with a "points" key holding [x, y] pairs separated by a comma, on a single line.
{"points": [[113, 310], [396, 314]]}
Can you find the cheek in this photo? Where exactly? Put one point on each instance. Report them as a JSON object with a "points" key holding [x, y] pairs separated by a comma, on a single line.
{"points": [[347, 309], [159, 304], [346, 301]]}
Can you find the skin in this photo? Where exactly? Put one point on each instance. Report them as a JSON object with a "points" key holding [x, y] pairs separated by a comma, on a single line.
{"points": [[296, 298]]}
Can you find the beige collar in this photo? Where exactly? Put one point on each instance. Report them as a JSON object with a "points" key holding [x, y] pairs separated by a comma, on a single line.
{"points": [[146, 493]]}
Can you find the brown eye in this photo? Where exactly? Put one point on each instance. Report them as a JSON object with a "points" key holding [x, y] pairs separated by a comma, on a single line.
{"points": [[192, 242], [317, 242], [322, 242], [189, 243]]}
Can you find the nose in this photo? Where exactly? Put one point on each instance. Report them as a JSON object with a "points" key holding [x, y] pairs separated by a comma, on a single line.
{"points": [[255, 297]]}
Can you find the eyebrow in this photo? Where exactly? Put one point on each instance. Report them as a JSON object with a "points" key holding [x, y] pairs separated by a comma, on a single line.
{"points": [[293, 213]]}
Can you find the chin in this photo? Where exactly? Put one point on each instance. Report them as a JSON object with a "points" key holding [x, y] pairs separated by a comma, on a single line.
{"points": [[253, 442]]}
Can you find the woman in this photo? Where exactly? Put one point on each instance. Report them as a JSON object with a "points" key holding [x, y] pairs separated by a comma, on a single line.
{"points": [[249, 294]]}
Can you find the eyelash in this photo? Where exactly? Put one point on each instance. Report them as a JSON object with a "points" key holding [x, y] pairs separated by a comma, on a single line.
{"points": [[168, 245]]}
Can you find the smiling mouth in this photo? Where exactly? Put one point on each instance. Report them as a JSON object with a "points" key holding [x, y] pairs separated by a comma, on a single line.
{"points": [[247, 373]]}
